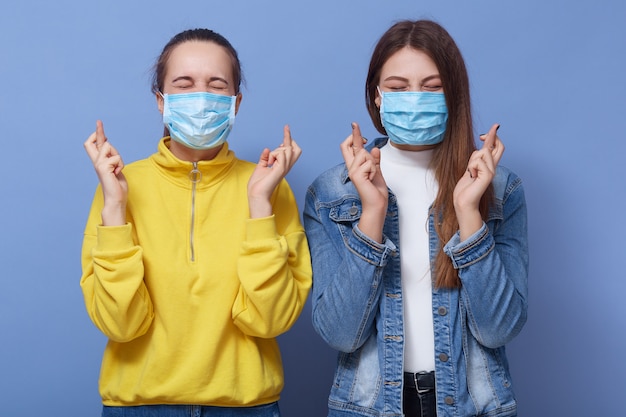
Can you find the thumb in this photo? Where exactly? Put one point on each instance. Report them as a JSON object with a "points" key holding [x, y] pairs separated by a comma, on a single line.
{"points": [[264, 158], [375, 152]]}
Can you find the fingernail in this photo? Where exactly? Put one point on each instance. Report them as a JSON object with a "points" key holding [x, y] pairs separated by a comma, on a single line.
{"points": [[352, 125], [497, 128]]}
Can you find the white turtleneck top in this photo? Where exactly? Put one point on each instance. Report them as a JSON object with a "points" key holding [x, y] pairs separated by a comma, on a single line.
{"points": [[409, 175]]}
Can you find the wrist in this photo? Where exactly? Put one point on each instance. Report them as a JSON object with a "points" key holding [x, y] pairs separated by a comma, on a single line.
{"points": [[259, 207], [114, 215], [372, 222], [469, 222]]}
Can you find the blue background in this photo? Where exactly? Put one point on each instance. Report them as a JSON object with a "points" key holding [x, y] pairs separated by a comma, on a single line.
{"points": [[551, 72]]}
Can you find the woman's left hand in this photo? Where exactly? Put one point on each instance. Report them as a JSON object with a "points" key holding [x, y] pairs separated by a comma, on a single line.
{"points": [[481, 169], [272, 167]]}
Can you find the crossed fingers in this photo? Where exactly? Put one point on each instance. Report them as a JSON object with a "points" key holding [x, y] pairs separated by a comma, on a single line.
{"points": [[488, 157], [287, 153]]}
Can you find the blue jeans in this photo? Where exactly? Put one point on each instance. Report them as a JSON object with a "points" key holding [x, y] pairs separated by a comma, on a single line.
{"points": [[266, 410], [415, 404]]}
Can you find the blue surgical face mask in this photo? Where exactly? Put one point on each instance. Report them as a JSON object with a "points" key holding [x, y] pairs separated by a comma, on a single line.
{"points": [[199, 120], [414, 118]]}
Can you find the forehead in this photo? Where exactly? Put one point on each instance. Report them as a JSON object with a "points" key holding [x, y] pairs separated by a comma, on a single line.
{"points": [[408, 62], [199, 58]]}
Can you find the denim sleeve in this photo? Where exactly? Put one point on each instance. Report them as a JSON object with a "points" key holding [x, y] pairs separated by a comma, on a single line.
{"points": [[493, 268], [347, 271]]}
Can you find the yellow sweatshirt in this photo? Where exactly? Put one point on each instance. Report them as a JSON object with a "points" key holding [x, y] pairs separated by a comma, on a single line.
{"points": [[191, 292]]}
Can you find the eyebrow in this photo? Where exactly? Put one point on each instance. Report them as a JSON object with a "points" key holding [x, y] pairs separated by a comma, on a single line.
{"points": [[395, 77], [188, 78]]}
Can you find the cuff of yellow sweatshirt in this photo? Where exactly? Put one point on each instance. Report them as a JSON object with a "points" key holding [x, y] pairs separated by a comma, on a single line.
{"points": [[261, 228], [114, 238]]}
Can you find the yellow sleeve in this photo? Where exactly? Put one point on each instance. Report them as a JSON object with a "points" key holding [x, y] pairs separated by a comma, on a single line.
{"points": [[115, 294], [274, 269]]}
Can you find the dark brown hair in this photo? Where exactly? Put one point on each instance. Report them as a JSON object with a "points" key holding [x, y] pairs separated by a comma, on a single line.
{"points": [[452, 155], [206, 35]]}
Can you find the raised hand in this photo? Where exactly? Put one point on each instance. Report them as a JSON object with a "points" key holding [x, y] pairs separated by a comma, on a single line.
{"points": [[272, 167], [364, 172], [108, 165], [481, 168]]}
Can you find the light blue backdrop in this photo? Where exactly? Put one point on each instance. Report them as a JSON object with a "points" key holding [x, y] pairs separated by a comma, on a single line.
{"points": [[551, 72]]}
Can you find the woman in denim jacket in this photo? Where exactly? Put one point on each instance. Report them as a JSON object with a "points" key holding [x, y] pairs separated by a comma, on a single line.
{"points": [[419, 244]]}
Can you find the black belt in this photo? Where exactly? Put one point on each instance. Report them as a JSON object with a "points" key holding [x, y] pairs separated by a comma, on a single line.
{"points": [[421, 381]]}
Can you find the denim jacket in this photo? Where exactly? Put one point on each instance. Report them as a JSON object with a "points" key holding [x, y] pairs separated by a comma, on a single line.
{"points": [[357, 302]]}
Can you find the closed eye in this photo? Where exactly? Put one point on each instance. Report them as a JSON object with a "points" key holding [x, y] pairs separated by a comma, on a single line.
{"points": [[432, 87]]}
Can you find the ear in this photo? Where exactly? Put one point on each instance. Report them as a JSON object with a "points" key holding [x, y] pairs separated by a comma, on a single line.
{"points": [[159, 100], [238, 102], [377, 99]]}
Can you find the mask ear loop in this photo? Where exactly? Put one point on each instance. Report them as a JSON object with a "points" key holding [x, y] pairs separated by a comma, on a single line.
{"points": [[166, 130], [380, 93]]}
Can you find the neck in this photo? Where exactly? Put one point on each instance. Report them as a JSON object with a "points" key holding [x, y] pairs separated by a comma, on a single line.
{"points": [[412, 148], [193, 155]]}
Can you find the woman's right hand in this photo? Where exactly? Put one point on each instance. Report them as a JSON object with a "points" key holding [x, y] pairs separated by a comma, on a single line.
{"points": [[108, 164], [364, 172]]}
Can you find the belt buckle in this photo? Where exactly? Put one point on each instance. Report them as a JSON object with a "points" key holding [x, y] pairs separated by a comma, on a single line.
{"points": [[417, 385]]}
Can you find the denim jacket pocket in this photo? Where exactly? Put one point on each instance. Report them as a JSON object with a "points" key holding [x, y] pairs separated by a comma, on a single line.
{"points": [[347, 210], [345, 214]]}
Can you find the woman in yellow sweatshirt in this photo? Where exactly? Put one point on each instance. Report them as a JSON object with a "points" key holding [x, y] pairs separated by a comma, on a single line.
{"points": [[193, 260]]}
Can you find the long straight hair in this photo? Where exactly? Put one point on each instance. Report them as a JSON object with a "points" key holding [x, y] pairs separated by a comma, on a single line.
{"points": [[451, 156]]}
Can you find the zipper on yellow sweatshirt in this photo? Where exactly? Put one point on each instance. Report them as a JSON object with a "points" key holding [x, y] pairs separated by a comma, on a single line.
{"points": [[195, 175]]}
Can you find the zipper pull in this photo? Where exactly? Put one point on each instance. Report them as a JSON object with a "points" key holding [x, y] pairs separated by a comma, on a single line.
{"points": [[195, 175]]}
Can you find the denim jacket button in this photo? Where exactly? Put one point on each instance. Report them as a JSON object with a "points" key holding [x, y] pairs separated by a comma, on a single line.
{"points": [[442, 311], [443, 357], [353, 211], [449, 400]]}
